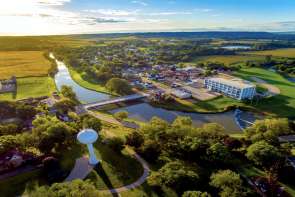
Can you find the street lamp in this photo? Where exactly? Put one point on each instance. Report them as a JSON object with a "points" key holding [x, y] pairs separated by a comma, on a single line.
{"points": [[88, 137]]}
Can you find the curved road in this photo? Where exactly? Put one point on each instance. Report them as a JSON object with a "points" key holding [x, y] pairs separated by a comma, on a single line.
{"points": [[82, 168]]}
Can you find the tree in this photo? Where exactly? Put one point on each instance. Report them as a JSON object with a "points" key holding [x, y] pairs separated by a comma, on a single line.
{"points": [[177, 175], [7, 142], [268, 130], [264, 154], [9, 129], [154, 128], [228, 182], [119, 86], [65, 105], [150, 150], [121, 115], [91, 123], [116, 144], [195, 194], [68, 92], [76, 188], [135, 139], [25, 112], [218, 153]]}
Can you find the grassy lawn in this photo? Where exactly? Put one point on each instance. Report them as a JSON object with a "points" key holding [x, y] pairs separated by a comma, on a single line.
{"points": [[282, 105], [31, 87], [23, 64], [290, 52], [89, 84], [229, 59]]}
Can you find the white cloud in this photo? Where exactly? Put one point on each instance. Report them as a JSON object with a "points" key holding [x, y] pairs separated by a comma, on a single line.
{"points": [[169, 13], [111, 12], [53, 2], [203, 10], [140, 2]]}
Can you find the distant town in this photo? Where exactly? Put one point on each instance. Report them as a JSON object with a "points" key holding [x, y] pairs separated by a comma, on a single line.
{"points": [[148, 114]]}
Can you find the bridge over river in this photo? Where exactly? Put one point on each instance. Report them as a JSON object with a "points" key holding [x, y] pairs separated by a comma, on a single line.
{"points": [[115, 100]]}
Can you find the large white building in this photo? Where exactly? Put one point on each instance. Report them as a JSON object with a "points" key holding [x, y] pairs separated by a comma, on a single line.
{"points": [[233, 87]]}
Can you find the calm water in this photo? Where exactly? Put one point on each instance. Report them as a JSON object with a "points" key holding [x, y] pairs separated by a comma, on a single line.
{"points": [[236, 47], [144, 112], [84, 95]]}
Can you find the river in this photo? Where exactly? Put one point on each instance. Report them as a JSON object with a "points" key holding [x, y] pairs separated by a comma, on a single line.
{"points": [[236, 47], [144, 111]]}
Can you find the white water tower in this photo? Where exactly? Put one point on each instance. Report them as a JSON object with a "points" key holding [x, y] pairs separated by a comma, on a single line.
{"points": [[88, 137]]}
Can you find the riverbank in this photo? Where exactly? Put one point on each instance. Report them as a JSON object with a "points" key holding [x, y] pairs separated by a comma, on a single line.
{"points": [[88, 85]]}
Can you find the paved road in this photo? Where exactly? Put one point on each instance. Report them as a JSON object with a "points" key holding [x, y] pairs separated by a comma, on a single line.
{"points": [[138, 182], [81, 169]]}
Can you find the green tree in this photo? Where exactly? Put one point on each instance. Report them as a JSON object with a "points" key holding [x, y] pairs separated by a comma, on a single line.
{"points": [[135, 139], [195, 194], [150, 150], [76, 188], [68, 92], [218, 153], [264, 154], [7, 142], [228, 182], [119, 86], [116, 144], [91, 122], [65, 105], [177, 175], [154, 128], [121, 115], [268, 130]]}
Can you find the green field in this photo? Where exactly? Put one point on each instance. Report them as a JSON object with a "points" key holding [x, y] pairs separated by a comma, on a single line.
{"points": [[290, 52], [31, 87], [229, 59], [281, 105], [88, 84], [23, 64]]}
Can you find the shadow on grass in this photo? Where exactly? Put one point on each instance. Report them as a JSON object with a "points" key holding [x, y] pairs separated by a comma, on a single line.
{"points": [[101, 172], [125, 167]]}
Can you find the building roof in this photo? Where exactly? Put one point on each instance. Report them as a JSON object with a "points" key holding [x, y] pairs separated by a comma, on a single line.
{"points": [[235, 82]]}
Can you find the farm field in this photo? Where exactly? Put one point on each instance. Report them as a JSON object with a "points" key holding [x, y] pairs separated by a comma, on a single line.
{"points": [[290, 52], [31, 87], [229, 59], [23, 64]]}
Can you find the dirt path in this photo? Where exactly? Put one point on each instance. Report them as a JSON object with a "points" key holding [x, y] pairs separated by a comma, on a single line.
{"points": [[273, 90]]}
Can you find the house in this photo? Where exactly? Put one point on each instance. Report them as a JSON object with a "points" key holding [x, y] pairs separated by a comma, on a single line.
{"points": [[233, 87], [181, 94], [8, 85]]}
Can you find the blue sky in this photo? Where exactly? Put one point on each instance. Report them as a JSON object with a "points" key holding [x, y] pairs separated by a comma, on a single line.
{"points": [[35, 17]]}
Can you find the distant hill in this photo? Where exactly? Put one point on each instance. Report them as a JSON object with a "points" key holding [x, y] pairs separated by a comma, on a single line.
{"points": [[207, 35]]}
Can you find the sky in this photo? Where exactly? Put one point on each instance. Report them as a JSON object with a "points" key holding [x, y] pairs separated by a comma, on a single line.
{"points": [[48, 17]]}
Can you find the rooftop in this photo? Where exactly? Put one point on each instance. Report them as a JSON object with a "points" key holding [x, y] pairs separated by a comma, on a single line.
{"points": [[235, 82]]}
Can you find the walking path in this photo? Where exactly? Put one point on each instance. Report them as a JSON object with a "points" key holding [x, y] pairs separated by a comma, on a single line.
{"points": [[82, 167], [138, 182], [273, 90]]}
